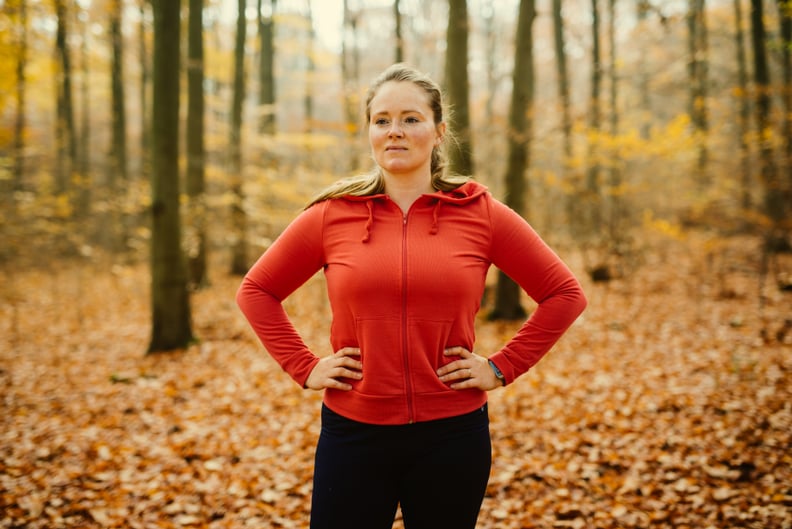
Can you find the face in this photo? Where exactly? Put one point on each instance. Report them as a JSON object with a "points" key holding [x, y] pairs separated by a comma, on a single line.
{"points": [[402, 131]]}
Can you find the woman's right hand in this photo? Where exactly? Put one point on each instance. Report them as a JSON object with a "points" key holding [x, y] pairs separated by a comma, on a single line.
{"points": [[329, 371]]}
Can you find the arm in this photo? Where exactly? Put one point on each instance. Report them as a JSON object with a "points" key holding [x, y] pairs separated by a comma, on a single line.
{"points": [[522, 255], [292, 259]]}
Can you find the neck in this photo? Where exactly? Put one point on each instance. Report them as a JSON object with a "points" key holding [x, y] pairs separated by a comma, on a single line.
{"points": [[405, 191]]}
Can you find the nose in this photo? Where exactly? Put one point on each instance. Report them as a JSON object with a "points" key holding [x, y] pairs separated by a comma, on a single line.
{"points": [[395, 129]]}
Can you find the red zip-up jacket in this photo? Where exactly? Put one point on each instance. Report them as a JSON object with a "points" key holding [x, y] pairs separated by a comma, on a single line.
{"points": [[403, 288]]}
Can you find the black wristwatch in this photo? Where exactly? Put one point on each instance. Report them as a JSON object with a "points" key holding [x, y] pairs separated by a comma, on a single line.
{"points": [[498, 373]]}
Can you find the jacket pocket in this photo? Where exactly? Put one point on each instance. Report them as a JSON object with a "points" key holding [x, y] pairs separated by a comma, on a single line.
{"points": [[381, 353], [428, 339]]}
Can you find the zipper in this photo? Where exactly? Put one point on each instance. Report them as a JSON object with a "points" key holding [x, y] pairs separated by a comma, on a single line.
{"points": [[405, 352]]}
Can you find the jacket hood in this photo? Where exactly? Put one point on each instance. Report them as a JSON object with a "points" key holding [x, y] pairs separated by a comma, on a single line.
{"points": [[464, 194]]}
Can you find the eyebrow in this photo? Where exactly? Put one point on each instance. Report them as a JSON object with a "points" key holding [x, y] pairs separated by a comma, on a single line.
{"points": [[385, 112]]}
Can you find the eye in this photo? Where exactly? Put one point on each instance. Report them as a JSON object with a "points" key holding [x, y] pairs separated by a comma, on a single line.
{"points": [[380, 121], [412, 119]]}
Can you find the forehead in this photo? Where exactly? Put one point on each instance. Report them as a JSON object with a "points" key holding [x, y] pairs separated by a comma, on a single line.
{"points": [[395, 97]]}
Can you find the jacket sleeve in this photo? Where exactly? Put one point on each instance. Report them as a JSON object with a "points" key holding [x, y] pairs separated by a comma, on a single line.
{"points": [[295, 256], [520, 253]]}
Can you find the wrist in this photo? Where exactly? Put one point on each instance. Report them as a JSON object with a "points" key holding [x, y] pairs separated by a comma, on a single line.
{"points": [[498, 372]]}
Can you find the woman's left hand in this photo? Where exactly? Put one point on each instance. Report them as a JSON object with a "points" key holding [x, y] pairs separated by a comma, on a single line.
{"points": [[470, 371]]}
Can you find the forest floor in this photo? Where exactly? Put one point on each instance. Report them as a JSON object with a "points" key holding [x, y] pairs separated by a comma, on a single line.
{"points": [[665, 405]]}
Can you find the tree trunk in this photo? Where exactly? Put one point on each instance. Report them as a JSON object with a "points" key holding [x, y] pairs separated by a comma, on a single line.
{"points": [[196, 239], [239, 262], [562, 74], [643, 74], [743, 110], [507, 295], [118, 150], [491, 38], [616, 225], [266, 96], [83, 163], [773, 196], [170, 301], [145, 121], [698, 75], [785, 31], [563, 84], [591, 200], [65, 136], [397, 18], [310, 73], [350, 60], [457, 87], [21, 116]]}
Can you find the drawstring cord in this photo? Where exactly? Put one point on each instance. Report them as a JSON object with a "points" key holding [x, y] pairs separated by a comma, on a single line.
{"points": [[435, 212], [369, 221]]}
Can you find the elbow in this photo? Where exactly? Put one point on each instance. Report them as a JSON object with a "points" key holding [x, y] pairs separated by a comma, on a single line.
{"points": [[577, 299], [244, 294], [582, 300]]}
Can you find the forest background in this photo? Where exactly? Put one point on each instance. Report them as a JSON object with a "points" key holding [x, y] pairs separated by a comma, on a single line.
{"points": [[150, 151]]}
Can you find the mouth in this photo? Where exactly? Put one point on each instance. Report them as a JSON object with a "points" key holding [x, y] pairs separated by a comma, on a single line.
{"points": [[395, 148]]}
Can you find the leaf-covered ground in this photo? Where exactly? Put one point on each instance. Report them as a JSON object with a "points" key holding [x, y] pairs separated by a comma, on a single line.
{"points": [[662, 407]]}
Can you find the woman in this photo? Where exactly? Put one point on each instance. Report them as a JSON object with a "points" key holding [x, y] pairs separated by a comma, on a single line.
{"points": [[405, 252]]}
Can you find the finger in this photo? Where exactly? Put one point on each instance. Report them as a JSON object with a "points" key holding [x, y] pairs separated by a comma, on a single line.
{"points": [[446, 369], [342, 372], [464, 384], [463, 373], [348, 351], [457, 351], [350, 363], [332, 383], [451, 367]]}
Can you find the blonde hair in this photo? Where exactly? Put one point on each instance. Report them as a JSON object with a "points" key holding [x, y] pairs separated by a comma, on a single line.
{"points": [[373, 183]]}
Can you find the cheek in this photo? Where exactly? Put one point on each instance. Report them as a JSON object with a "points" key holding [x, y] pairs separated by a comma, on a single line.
{"points": [[376, 137]]}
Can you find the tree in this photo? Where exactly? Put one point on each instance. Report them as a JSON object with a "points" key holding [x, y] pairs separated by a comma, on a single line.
{"points": [[744, 109], [563, 84], [83, 162], [773, 195], [785, 32], [589, 218], [350, 75], [65, 133], [616, 205], [145, 114], [196, 180], [507, 294], [118, 150], [698, 75], [491, 39], [310, 71], [239, 264], [562, 74], [170, 302], [642, 12], [457, 87], [266, 96], [21, 117], [397, 18], [84, 158]]}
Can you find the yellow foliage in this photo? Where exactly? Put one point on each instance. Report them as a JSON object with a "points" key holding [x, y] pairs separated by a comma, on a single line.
{"points": [[662, 226]]}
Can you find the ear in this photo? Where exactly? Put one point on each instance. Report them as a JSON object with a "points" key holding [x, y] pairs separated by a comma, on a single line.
{"points": [[441, 130]]}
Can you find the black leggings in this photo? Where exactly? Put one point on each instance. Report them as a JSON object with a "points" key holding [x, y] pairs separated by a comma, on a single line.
{"points": [[436, 470]]}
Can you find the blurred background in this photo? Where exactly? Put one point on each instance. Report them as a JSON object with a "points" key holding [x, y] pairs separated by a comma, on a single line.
{"points": [[603, 122]]}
